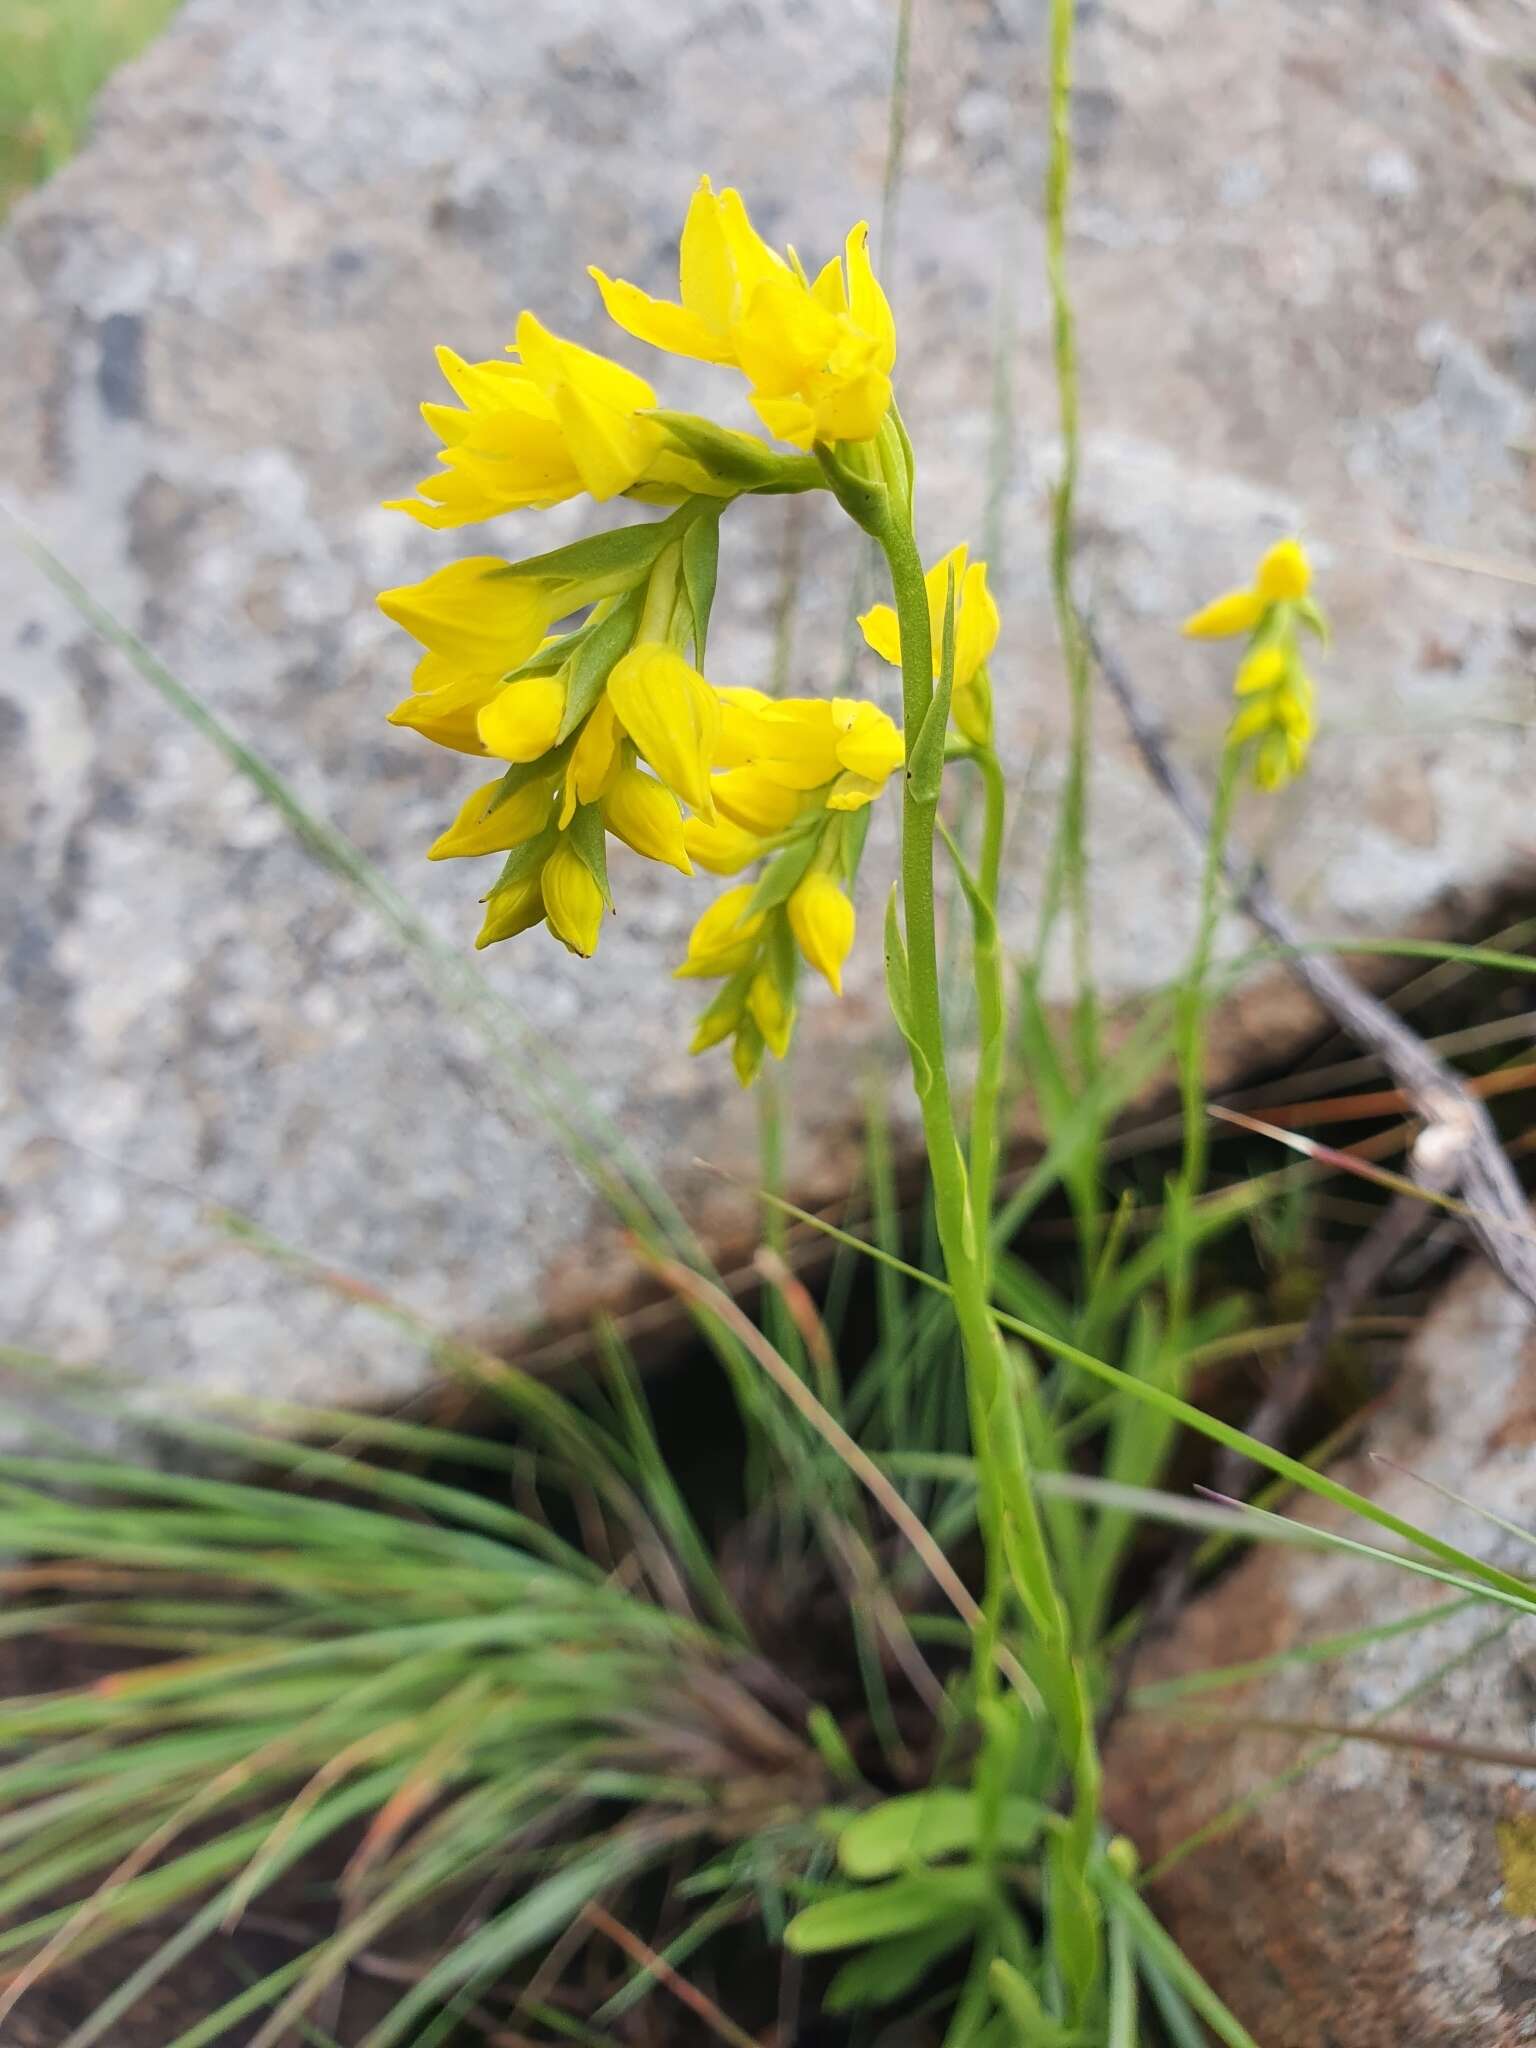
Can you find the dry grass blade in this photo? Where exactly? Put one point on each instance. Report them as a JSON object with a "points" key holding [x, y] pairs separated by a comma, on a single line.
{"points": [[1416, 1739], [1399, 1184], [719, 2023], [693, 1287]]}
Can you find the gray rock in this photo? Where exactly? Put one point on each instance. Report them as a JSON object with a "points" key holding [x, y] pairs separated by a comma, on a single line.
{"points": [[1383, 1897], [221, 319]]}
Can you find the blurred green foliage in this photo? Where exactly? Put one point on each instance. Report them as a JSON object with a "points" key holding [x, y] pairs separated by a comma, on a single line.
{"points": [[55, 55]]}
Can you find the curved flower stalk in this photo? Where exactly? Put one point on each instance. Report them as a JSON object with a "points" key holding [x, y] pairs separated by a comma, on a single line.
{"points": [[1274, 722]]}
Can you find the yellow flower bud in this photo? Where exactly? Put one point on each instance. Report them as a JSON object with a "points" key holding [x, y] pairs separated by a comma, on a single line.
{"points": [[722, 848], [573, 903], [673, 717], [747, 1052], [751, 799], [1284, 574], [594, 761], [516, 908], [645, 816], [486, 826], [522, 721], [772, 1015], [722, 1017], [1260, 670], [1239, 611], [725, 937], [971, 709], [822, 920]]}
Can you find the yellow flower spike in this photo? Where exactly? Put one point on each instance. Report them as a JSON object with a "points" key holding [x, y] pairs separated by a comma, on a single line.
{"points": [[573, 903], [522, 721], [772, 1015], [516, 908], [751, 799], [1284, 574], [822, 920], [485, 826], [1238, 611], [445, 704], [722, 848], [645, 816], [673, 717], [725, 937], [473, 614]]}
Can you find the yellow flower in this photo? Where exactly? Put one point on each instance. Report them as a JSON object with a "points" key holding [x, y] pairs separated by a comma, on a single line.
{"points": [[521, 721], [672, 715], [721, 261], [445, 704], [976, 631], [818, 355], [751, 799], [772, 1015], [812, 743], [595, 760], [1284, 572], [821, 918], [477, 615], [725, 937], [486, 826], [645, 816], [722, 848], [573, 903], [534, 432], [1283, 577]]}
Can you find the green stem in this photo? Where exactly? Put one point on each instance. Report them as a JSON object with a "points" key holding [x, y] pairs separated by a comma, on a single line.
{"points": [[1190, 1054], [1068, 871], [1011, 1528], [991, 1004]]}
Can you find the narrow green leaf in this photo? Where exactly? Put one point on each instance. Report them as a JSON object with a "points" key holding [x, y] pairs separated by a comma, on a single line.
{"points": [[608, 639], [922, 1827], [892, 1969], [618, 557], [905, 1905], [523, 861], [898, 983], [701, 564], [784, 872], [590, 844]]}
